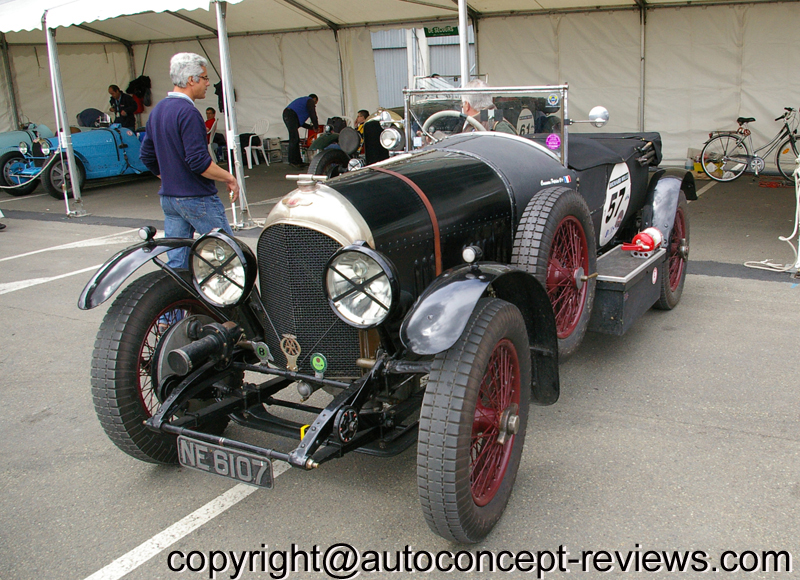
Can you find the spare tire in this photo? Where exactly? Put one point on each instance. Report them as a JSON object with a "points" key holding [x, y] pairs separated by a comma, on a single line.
{"points": [[330, 163]]}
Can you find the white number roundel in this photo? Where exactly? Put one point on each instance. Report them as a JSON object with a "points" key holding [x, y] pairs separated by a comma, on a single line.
{"points": [[618, 195]]}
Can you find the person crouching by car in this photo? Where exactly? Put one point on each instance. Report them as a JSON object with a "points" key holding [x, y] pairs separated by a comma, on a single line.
{"points": [[295, 116], [123, 106], [175, 150]]}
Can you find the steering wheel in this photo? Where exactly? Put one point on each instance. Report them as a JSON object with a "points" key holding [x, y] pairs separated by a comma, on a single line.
{"points": [[441, 114]]}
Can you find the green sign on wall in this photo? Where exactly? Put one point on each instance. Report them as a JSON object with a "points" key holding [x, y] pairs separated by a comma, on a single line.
{"points": [[433, 31]]}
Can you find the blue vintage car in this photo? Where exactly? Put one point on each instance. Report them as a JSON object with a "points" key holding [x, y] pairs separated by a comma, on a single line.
{"points": [[9, 151], [100, 153]]}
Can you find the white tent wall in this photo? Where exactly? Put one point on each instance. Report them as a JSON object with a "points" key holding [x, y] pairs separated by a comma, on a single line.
{"points": [[86, 71], [268, 72], [705, 66], [596, 53], [358, 71]]}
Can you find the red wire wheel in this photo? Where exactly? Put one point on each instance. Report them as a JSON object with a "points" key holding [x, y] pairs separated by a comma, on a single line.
{"points": [[677, 263], [123, 365], [674, 271], [555, 241], [498, 398], [568, 263], [472, 423]]}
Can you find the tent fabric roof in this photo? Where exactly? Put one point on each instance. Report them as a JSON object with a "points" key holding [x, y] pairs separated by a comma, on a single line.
{"points": [[139, 22]]}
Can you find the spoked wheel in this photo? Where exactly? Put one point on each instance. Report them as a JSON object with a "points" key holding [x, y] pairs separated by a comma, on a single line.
{"points": [[17, 185], [724, 158], [677, 259], [56, 174], [786, 157], [472, 424], [124, 365], [555, 242]]}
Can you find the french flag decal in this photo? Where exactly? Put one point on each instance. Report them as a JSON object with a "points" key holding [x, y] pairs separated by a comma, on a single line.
{"points": [[567, 179]]}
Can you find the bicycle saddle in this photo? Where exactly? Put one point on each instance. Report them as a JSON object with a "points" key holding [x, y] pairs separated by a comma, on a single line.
{"points": [[742, 120]]}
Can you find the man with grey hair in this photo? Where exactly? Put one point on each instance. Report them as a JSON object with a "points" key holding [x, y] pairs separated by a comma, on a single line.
{"points": [[473, 104], [175, 150]]}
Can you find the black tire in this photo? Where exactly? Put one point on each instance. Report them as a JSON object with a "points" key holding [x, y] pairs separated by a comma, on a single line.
{"points": [[459, 501], [56, 173], [122, 377], [674, 277], [5, 176], [557, 219], [329, 162], [788, 151], [724, 158]]}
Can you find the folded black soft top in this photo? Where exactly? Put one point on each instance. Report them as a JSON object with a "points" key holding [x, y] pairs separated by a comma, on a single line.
{"points": [[588, 150]]}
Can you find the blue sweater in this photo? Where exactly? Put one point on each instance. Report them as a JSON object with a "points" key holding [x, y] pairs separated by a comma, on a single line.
{"points": [[175, 148]]}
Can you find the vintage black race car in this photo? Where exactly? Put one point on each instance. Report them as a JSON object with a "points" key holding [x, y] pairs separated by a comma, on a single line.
{"points": [[430, 296]]}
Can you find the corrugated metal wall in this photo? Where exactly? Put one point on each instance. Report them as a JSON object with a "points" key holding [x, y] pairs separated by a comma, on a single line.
{"points": [[391, 62]]}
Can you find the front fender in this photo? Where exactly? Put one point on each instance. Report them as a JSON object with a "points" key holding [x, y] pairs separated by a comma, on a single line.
{"points": [[119, 267], [440, 316]]}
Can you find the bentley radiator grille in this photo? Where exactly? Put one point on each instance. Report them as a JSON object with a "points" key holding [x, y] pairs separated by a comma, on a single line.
{"points": [[291, 263]]}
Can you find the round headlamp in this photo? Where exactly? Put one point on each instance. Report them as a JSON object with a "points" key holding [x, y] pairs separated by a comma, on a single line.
{"points": [[45, 145], [392, 138], [361, 286], [23, 147], [223, 269]]}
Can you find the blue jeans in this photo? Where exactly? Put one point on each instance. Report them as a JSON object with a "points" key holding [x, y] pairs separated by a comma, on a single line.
{"points": [[183, 216]]}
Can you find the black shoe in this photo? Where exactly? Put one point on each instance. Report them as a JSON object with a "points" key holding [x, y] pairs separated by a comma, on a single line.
{"points": [[2, 227]]}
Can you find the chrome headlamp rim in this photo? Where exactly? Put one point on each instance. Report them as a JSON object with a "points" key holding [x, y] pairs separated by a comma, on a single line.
{"points": [[388, 269], [392, 138], [241, 252], [23, 147], [45, 145]]}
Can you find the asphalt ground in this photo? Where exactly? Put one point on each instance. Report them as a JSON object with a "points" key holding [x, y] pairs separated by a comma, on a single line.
{"points": [[682, 435]]}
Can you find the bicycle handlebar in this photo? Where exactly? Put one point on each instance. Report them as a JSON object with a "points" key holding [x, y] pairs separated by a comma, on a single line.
{"points": [[789, 112]]}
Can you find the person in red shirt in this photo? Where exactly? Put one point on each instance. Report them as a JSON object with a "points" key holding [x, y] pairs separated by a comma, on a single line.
{"points": [[219, 137]]}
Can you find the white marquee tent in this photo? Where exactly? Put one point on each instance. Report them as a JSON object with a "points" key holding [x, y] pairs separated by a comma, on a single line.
{"points": [[655, 64]]}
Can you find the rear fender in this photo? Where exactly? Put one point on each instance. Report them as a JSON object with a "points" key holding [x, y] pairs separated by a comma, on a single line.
{"points": [[440, 316], [119, 267], [662, 198]]}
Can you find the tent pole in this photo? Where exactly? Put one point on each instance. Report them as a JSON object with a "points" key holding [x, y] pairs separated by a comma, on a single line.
{"points": [[62, 122], [231, 124], [643, 22], [7, 68], [463, 41]]}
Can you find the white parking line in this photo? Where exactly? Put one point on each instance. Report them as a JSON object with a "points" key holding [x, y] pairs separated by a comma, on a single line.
{"points": [[20, 198], [101, 241], [13, 286], [706, 188], [161, 541]]}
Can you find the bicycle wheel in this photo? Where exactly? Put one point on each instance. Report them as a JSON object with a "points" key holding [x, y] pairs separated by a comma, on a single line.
{"points": [[786, 156], [724, 158]]}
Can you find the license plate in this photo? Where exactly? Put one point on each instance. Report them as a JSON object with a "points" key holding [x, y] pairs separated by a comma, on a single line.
{"points": [[237, 465]]}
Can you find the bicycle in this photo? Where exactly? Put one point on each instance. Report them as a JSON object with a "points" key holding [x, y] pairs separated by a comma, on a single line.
{"points": [[727, 154]]}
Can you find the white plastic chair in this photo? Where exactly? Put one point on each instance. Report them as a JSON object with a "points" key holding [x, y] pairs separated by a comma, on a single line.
{"points": [[212, 132], [251, 150]]}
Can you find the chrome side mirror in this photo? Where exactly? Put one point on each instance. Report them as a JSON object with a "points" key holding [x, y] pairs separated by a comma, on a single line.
{"points": [[598, 116]]}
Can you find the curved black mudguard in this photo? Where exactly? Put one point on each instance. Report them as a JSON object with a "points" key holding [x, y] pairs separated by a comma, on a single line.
{"points": [[440, 316], [119, 267], [662, 198]]}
